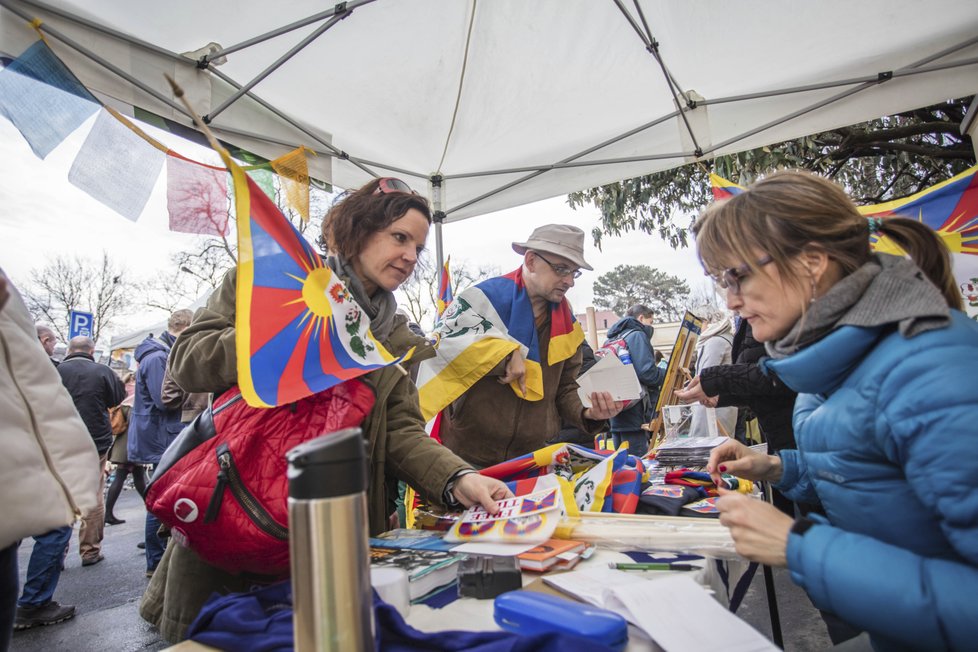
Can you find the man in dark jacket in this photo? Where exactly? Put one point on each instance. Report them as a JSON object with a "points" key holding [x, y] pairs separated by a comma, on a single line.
{"points": [[94, 388], [636, 329], [152, 425]]}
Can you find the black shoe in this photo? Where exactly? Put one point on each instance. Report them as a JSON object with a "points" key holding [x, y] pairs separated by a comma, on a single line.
{"points": [[141, 545], [112, 520], [91, 561], [46, 614]]}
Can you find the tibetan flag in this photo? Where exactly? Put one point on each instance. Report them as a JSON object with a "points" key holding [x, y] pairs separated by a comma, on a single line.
{"points": [[444, 288], [483, 325], [299, 330], [950, 208], [723, 188], [594, 481]]}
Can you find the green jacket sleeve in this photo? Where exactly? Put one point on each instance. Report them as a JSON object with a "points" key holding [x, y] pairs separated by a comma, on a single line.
{"points": [[203, 358]]}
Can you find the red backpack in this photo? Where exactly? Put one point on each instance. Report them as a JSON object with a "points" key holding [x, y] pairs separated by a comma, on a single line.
{"points": [[221, 486]]}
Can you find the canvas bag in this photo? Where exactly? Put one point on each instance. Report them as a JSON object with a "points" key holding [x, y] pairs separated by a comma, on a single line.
{"points": [[221, 485]]}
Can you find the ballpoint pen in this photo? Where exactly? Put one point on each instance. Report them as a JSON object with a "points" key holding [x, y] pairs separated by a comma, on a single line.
{"points": [[652, 566]]}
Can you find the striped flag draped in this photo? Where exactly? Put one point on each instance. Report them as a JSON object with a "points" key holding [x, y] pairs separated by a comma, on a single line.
{"points": [[483, 325]]}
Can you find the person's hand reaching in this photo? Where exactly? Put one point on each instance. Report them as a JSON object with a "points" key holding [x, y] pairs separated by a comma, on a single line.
{"points": [[759, 530], [737, 459], [473, 488]]}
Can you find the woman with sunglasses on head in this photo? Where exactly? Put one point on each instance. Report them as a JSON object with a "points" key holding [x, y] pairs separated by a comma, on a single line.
{"points": [[884, 362], [374, 237]]}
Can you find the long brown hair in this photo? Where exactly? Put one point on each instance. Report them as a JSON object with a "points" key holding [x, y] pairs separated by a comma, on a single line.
{"points": [[360, 214], [789, 211]]}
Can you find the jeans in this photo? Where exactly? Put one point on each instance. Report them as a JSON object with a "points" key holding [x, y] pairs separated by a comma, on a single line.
{"points": [[44, 567], [154, 545], [638, 442]]}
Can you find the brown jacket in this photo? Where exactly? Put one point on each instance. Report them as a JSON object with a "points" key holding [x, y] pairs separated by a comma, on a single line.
{"points": [[490, 424], [203, 359]]}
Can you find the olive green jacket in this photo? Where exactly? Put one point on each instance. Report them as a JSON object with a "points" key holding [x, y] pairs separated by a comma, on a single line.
{"points": [[203, 359]]}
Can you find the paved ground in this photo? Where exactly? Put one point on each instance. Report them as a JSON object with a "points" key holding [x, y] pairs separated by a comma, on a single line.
{"points": [[106, 596]]}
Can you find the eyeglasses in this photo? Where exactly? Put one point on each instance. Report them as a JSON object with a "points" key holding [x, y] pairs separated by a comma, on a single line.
{"points": [[560, 270], [730, 279], [388, 185]]}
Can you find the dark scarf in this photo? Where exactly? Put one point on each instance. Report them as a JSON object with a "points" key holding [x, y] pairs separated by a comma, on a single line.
{"points": [[885, 290], [380, 308]]}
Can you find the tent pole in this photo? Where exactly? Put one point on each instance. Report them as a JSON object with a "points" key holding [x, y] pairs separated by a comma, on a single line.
{"points": [[437, 201], [273, 67], [347, 8]]}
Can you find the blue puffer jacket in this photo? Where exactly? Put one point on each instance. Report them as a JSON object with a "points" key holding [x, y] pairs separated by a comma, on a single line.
{"points": [[637, 338], [151, 425], [888, 443]]}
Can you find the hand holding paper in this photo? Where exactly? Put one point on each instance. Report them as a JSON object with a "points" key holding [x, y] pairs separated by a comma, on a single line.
{"points": [[609, 375]]}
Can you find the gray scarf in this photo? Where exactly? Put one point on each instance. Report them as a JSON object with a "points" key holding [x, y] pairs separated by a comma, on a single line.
{"points": [[885, 290], [380, 308]]}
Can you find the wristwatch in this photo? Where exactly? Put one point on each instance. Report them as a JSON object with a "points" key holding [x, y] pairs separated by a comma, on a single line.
{"points": [[801, 525], [447, 496]]}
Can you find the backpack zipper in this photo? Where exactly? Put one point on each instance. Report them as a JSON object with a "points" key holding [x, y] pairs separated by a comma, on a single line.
{"points": [[228, 477]]}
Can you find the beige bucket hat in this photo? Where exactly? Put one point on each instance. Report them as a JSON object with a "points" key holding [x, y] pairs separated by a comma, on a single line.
{"points": [[560, 239]]}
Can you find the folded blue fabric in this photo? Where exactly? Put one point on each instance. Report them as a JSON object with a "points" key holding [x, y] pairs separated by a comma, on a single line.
{"points": [[261, 621]]}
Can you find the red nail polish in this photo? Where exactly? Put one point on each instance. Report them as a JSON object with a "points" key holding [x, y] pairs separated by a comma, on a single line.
{"points": [[723, 468]]}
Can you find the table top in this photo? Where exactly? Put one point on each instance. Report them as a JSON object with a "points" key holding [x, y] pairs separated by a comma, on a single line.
{"points": [[477, 615]]}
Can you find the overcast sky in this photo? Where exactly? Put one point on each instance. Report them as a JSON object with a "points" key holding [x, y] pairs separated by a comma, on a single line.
{"points": [[44, 217]]}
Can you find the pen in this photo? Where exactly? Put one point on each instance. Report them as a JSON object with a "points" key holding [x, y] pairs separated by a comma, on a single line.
{"points": [[659, 566]]}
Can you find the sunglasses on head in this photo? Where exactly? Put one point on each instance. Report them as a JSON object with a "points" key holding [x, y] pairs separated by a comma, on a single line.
{"points": [[388, 185], [560, 270], [730, 279]]}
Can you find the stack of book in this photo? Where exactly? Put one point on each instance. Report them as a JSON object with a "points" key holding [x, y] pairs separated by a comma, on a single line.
{"points": [[689, 452], [428, 561], [554, 554]]}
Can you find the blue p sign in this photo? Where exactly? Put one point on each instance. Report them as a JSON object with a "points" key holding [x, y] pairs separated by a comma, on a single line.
{"points": [[80, 323]]}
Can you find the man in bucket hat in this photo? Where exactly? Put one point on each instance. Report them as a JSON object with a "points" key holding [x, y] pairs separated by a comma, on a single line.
{"points": [[508, 356]]}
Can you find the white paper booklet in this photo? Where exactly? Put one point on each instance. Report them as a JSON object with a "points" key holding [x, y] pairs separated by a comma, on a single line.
{"points": [[679, 615], [609, 375]]}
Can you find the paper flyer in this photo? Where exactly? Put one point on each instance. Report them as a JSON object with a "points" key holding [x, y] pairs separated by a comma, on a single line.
{"points": [[522, 519]]}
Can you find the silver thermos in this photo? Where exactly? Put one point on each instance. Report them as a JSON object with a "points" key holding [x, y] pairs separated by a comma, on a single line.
{"points": [[331, 594]]}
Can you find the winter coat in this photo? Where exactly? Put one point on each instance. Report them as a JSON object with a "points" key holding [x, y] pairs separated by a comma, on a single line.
{"points": [[47, 470], [94, 388], [744, 384], [887, 442], [204, 360], [152, 426], [490, 424], [715, 347], [638, 339]]}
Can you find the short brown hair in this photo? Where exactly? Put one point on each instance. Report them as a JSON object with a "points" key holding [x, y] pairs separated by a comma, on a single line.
{"points": [[362, 213], [788, 211], [179, 321]]}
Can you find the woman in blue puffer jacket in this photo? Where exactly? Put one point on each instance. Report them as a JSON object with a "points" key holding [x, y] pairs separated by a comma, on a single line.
{"points": [[886, 366]]}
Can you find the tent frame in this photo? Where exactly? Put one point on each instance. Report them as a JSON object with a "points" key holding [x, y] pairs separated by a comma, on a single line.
{"points": [[436, 180]]}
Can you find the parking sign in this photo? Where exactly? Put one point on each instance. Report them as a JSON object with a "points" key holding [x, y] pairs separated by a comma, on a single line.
{"points": [[80, 323]]}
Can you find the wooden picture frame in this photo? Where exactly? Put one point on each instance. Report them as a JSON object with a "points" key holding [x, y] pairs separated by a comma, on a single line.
{"points": [[677, 373]]}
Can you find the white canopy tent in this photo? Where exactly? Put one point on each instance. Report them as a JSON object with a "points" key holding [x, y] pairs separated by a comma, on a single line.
{"points": [[497, 103]]}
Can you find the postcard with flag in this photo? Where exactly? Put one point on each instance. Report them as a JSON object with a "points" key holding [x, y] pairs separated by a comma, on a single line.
{"points": [[480, 329], [298, 329]]}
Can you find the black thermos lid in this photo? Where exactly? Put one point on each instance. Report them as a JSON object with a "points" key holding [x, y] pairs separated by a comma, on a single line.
{"points": [[329, 466]]}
